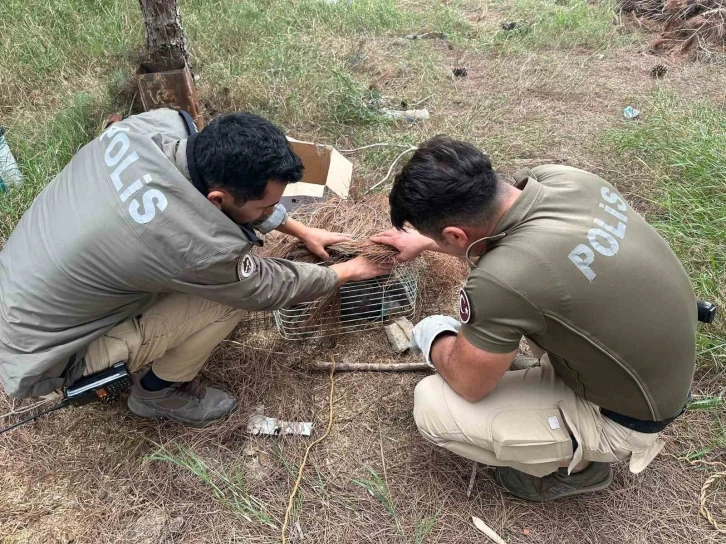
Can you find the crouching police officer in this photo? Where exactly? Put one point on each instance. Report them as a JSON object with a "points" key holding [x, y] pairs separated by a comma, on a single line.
{"points": [[561, 259], [139, 251]]}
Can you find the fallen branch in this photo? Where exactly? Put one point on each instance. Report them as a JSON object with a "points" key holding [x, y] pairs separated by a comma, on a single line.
{"points": [[369, 367]]}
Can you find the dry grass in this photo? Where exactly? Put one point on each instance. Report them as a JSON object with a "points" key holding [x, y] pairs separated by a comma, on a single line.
{"points": [[362, 305], [90, 483]]}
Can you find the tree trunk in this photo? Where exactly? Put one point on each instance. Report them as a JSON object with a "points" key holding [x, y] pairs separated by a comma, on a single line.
{"points": [[165, 42]]}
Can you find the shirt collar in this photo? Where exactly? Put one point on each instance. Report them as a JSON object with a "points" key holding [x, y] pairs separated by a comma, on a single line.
{"points": [[180, 158], [181, 162], [521, 208]]}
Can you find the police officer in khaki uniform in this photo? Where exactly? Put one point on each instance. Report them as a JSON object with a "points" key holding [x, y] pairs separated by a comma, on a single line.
{"points": [[139, 251], [562, 260]]}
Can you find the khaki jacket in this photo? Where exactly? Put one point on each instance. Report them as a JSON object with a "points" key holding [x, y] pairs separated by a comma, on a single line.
{"points": [[120, 226]]}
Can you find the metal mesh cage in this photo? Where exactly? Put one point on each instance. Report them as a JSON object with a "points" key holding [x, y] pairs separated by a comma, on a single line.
{"points": [[257, 321], [360, 305]]}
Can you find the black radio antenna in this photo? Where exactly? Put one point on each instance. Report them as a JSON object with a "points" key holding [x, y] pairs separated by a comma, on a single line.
{"points": [[62, 404]]}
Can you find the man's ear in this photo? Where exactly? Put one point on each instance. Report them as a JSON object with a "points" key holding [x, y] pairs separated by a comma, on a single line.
{"points": [[218, 198], [456, 237]]}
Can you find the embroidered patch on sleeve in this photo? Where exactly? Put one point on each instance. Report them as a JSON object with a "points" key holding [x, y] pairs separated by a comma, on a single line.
{"points": [[246, 267], [465, 309]]}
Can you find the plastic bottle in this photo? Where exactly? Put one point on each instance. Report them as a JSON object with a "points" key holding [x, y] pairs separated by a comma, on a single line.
{"points": [[10, 174]]}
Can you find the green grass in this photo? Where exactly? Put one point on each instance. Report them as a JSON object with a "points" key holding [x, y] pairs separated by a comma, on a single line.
{"points": [[565, 24], [44, 150], [302, 64], [378, 488], [297, 62], [683, 148], [423, 527], [228, 487]]}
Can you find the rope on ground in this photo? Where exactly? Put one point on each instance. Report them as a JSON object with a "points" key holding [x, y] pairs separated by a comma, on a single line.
{"points": [[307, 451], [409, 148], [390, 170], [703, 496]]}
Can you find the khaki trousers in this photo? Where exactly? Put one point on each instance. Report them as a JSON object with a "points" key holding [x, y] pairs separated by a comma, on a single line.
{"points": [[527, 423], [177, 334]]}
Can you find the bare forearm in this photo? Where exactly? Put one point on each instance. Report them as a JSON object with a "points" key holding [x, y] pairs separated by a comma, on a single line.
{"points": [[345, 272], [292, 228], [471, 373], [441, 353]]}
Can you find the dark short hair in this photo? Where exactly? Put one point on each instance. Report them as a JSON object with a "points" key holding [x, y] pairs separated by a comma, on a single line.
{"points": [[241, 152], [446, 182]]}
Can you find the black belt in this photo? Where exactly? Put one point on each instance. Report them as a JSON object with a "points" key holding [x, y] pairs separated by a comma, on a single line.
{"points": [[640, 425]]}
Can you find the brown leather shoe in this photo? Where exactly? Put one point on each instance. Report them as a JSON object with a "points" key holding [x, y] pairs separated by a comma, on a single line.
{"points": [[189, 403], [557, 485]]}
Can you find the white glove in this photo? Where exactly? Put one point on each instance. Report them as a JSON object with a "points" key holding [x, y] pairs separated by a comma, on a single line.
{"points": [[426, 332]]}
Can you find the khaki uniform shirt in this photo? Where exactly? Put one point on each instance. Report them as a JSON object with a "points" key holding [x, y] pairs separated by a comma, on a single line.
{"points": [[120, 226], [579, 272]]}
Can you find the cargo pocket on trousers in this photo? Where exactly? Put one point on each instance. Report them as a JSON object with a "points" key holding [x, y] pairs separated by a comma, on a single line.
{"points": [[531, 436], [104, 353]]}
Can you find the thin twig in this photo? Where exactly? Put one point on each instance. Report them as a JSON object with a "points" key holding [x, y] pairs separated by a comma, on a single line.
{"points": [[14, 412], [472, 478], [369, 367], [382, 144]]}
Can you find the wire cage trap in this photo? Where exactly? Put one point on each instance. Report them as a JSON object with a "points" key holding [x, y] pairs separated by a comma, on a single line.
{"points": [[356, 306]]}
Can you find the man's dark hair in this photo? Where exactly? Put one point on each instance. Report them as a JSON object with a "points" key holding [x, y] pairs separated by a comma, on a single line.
{"points": [[446, 182], [241, 152]]}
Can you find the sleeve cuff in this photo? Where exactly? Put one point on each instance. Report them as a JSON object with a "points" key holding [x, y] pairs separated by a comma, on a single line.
{"points": [[484, 344], [272, 221]]}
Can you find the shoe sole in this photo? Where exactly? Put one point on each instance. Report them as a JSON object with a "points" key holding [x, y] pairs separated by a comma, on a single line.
{"points": [[591, 489], [140, 411]]}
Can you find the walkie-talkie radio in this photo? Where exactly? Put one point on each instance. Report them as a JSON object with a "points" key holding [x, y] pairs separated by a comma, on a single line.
{"points": [[103, 386]]}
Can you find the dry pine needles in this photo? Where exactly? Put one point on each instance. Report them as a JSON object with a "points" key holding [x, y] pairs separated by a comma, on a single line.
{"points": [[689, 26], [432, 276], [359, 219]]}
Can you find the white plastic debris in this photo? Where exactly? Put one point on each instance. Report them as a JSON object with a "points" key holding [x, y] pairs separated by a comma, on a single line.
{"points": [[631, 113], [259, 424], [9, 170], [484, 528], [408, 115]]}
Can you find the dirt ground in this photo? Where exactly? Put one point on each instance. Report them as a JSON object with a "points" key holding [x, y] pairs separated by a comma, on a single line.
{"points": [[81, 476], [84, 475]]}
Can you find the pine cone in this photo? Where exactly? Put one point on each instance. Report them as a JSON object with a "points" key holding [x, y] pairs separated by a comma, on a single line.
{"points": [[658, 71]]}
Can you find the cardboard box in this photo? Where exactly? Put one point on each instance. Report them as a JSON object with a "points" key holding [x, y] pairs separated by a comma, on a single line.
{"points": [[327, 173]]}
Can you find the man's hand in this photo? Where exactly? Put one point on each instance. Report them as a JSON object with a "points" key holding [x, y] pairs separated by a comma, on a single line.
{"points": [[358, 269], [409, 243], [428, 330], [316, 240]]}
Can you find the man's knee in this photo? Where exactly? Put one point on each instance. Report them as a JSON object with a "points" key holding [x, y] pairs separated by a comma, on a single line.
{"points": [[429, 406], [233, 314]]}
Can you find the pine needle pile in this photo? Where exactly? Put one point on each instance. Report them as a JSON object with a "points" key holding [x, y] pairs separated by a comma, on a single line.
{"points": [[357, 304], [359, 219], [692, 27]]}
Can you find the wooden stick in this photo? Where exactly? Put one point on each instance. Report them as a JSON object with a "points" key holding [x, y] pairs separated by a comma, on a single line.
{"points": [[369, 367], [472, 478]]}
